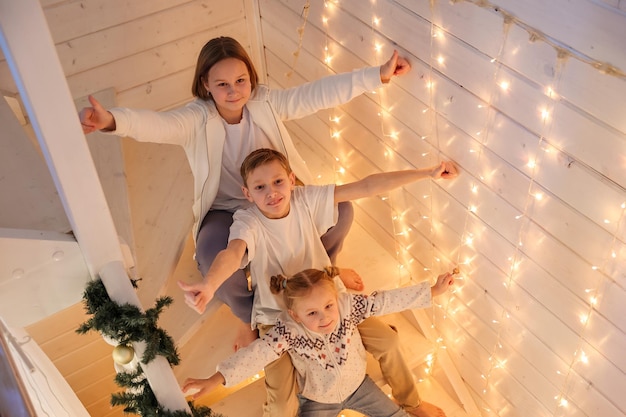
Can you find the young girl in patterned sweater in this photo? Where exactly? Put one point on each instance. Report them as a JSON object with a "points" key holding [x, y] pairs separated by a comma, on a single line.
{"points": [[319, 332]]}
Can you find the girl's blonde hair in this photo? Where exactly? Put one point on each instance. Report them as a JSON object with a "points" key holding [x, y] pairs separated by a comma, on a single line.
{"points": [[300, 284], [213, 52]]}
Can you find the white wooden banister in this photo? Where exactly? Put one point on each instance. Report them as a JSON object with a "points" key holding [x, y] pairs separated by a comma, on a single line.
{"points": [[30, 52]]}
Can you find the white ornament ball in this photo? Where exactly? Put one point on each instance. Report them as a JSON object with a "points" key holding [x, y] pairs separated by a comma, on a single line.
{"points": [[123, 354]]}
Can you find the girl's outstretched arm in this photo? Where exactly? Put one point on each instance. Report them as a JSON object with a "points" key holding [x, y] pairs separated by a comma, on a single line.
{"points": [[396, 65], [204, 386]]}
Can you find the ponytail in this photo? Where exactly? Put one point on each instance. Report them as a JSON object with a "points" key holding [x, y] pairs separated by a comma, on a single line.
{"points": [[300, 284], [278, 283]]}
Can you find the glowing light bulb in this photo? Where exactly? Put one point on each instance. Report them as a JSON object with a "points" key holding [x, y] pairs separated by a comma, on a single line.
{"points": [[342, 170], [583, 357], [440, 60], [376, 21], [504, 85], [538, 196], [472, 209], [544, 114], [378, 47], [336, 134], [531, 163]]}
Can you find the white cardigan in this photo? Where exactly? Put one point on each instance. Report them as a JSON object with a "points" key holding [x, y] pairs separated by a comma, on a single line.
{"points": [[330, 367], [198, 129]]}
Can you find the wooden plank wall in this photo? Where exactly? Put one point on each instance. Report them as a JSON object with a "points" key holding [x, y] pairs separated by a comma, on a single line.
{"points": [[528, 98]]}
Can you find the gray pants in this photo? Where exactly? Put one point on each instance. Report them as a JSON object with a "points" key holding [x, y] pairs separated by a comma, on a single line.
{"points": [[368, 400], [213, 237]]}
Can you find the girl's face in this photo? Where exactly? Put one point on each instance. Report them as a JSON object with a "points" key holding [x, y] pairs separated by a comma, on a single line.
{"points": [[269, 187], [228, 81], [318, 310]]}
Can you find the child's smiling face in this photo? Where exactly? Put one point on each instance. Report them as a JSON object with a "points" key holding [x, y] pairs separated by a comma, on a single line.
{"points": [[318, 310], [228, 82], [269, 187]]}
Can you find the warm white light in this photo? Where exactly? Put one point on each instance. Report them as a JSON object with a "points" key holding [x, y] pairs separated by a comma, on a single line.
{"points": [[378, 47], [324, 19], [544, 114], [376, 21], [563, 402], [474, 189], [538, 196], [342, 170], [440, 60], [335, 119], [504, 85], [583, 357], [584, 318], [531, 163], [469, 240], [430, 84], [328, 59], [472, 209], [336, 134], [593, 301]]}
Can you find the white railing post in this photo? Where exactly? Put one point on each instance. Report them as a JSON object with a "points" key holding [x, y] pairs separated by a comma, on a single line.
{"points": [[30, 52]]}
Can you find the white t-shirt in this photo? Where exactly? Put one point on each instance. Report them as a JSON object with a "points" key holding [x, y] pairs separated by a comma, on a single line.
{"points": [[241, 139], [285, 246]]}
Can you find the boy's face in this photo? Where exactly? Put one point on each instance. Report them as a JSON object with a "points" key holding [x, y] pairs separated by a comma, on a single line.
{"points": [[318, 310], [269, 187]]}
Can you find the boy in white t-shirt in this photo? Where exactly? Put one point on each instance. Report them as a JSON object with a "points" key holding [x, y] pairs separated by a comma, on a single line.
{"points": [[280, 235]]}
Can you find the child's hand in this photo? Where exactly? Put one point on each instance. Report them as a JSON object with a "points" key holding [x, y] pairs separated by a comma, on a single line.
{"points": [[197, 295], [395, 66], [444, 281], [446, 170], [203, 386], [95, 117]]}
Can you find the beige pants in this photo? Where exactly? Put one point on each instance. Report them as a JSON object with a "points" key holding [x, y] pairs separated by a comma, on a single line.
{"points": [[379, 339]]}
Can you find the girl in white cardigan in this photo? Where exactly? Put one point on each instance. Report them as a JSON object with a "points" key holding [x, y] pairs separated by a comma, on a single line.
{"points": [[319, 332]]}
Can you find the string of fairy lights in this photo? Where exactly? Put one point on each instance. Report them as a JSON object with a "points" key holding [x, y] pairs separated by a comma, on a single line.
{"points": [[500, 85]]}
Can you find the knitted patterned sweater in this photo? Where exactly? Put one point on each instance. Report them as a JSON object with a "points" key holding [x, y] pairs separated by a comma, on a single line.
{"points": [[330, 367]]}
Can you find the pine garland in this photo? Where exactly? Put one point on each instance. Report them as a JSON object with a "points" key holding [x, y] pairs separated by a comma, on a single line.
{"points": [[126, 324]]}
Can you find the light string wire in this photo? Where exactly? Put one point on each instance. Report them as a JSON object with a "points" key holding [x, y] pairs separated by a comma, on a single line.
{"points": [[562, 400], [535, 34], [304, 17], [31, 373], [384, 114], [529, 206]]}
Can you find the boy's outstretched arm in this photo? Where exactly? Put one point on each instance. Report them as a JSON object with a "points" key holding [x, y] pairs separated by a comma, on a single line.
{"points": [[198, 295], [204, 386], [386, 181]]}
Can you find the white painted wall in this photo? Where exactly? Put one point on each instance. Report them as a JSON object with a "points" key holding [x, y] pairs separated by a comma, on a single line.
{"points": [[540, 318]]}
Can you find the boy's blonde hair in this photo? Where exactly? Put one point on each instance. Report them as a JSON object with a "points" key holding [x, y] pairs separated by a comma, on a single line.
{"points": [[300, 284], [259, 158]]}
